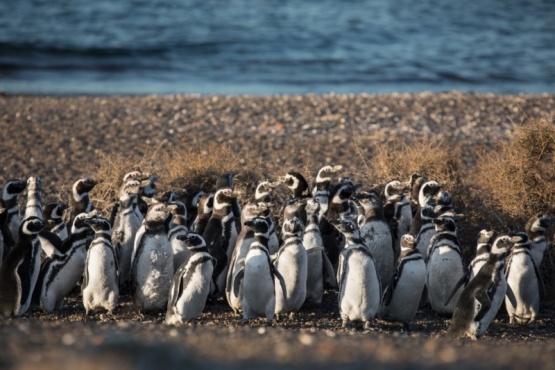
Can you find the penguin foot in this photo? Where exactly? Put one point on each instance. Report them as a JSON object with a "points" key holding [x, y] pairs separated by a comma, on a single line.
{"points": [[345, 324], [367, 326], [292, 315]]}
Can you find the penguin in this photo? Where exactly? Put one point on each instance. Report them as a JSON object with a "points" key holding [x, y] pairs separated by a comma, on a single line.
{"points": [[147, 187], [178, 227], [127, 223], [376, 234], [481, 299], [425, 196], [397, 213], [53, 217], [524, 283], [401, 298], [152, 261], [204, 212], [319, 267], [220, 235], [33, 207], [359, 283], [536, 228], [226, 181], [415, 182], [19, 271], [10, 191], [256, 279], [240, 250], [297, 184], [426, 231], [291, 263], [443, 201], [192, 203], [79, 199], [62, 270], [191, 283], [100, 287], [340, 204], [445, 266], [263, 197], [483, 249]]}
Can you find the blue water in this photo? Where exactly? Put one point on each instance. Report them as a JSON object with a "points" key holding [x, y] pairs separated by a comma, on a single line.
{"points": [[272, 47]]}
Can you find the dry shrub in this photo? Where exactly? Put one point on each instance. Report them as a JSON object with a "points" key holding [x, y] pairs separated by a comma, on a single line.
{"points": [[517, 178]]}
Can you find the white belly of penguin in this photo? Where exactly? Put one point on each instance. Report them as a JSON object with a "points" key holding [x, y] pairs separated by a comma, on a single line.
{"points": [[154, 272], [102, 287], [129, 229], [292, 265], [195, 292], [496, 303], [523, 281], [258, 286], [377, 237], [315, 265], [445, 269]]}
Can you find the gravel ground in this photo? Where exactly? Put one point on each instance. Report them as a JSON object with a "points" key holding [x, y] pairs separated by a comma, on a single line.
{"points": [[55, 136]]}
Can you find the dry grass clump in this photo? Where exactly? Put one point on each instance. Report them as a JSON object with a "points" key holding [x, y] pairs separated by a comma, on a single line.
{"points": [[517, 178]]}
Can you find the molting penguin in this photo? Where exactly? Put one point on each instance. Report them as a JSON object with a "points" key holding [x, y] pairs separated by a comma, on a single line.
{"points": [[53, 217], [178, 227], [19, 271], [100, 286], [319, 267], [402, 297], [152, 261], [256, 279], [445, 266], [191, 282], [481, 299], [483, 249], [291, 263], [220, 235], [524, 283], [204, 212], [376, 234], [536, 228], [10, 192], [33, 207], [357, 275]]}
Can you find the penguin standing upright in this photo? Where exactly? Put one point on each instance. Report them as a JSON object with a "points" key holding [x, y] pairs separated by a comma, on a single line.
{"points": [[359, 283], [376, 234], [536, 228], [54, 219], [291, 263], [256, 279], [100, 286], [397, 212], [192, 203], [425, 197], [226, 181], [19, 271], [79, 199], [152, 261], [481, 299], [10, 192], [297, 184], [427, 230], [178, 227], [127, 222], [204, 212], [524, 283], [220, 235], [416, 181], [263, 197], [445, 266], [191, 282], [319, 268], [62, 270], [33, 207], [401, 299], [483, 249]]}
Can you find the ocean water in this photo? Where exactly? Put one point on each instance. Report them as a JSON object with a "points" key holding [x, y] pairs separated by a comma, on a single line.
{"points": [[276, 46]]}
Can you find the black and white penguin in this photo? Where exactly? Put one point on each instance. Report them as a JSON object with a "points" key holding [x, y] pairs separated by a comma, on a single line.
{"points": [[443, 201], [263, 197], [191, 283], [359, 283], [536, 228], [80, 201], [204, 212], [427, 230], [147, 187], [100, 287], [152, 261], [33, 207], [226, 181], [376, 234], [483, 250], [62, 269], [297, 184], [192, 201], [481, 299], [415, 182], [397, 212], [178, 227], [20, 269], [220, 235], [6, 239], [340, 205], [319, 267], [291, 262], [127, 223], [445, 266], [524, 283], [323, 186], [426, 195], [54, 219], [256, 279], [10, 192], [401, 299]]}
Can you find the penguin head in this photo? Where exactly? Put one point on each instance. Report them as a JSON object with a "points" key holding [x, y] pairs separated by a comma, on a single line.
{"points": [[206, 203], [427, 192], [312, 207], [98, 223], [259, 225], [294, 207], [342, 191], [148, 186], [370, 202], [177, 208], [326, 173], [346, 226], [225, 181], [503, 244], [12, 188], [34, 183], [519, 238], [264, 190], [82, 187], [408, 241], [157, 213], [134, 175], [249, 211], [31, 226], [485, 237], [539, 223], [296, 183], [445, 223], [54, 211], [444, 198], [192, 240], [292, 227], [395, 188]]}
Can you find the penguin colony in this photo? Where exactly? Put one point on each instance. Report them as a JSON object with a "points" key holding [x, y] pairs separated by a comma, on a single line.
{"points": [[387, 254]]}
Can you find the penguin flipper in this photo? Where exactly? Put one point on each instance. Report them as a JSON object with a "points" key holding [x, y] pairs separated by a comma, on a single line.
{"points": [[541, 285], [511, 296], [50, 243], [238, 280], [387, 296], [484, 305], [176, 287], [85, 281], [455, 289], [329, 273]]}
